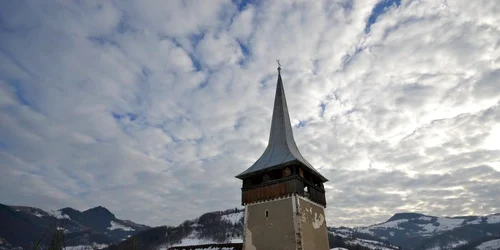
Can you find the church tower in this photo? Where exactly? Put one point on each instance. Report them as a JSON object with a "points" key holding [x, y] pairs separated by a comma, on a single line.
{"points": [[283, 194]]}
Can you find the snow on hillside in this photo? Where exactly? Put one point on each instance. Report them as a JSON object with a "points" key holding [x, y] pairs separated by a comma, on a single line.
{"points": [[233, 218], [450, 246], [442, 224], [489, 245], [429, 225], [391, 224], [201, 248], [458, 243], [117, 225], [347, 235], [368, 243], [64, 230], [193, 239], [490, 219], [425, 218], [95, 246], [37, 214], [478, 220], [59, 215], [495, 218]]}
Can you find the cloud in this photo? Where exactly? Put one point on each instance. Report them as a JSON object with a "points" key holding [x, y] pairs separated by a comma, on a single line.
{"points": [[151, 109]]}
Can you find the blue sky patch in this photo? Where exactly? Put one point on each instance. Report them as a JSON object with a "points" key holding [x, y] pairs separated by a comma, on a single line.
{"points": [[242, 4], [301, 124], [379, 9], [19, 92], [129, 116], [322, 109]]}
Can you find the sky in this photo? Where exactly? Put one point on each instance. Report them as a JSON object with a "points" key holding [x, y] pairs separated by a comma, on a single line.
{"points": [[150, 108]]}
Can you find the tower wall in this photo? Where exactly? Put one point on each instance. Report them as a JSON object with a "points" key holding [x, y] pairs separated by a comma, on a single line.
{"points": [[276, 231], [313, 231], [292, 223]]}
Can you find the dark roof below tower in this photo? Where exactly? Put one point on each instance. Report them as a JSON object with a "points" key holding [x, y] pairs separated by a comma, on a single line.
{"points": [[215, 246], [281, 148]]}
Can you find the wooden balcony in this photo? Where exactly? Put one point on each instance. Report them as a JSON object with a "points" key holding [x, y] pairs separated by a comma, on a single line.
{"points": [[282, 188]]}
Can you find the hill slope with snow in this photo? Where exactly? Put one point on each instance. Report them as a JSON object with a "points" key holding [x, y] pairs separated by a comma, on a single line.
{"points": [[418, 231], [22, 226]]}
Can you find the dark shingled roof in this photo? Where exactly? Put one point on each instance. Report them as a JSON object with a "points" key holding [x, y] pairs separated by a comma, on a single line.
{"points": [[281, 148]]}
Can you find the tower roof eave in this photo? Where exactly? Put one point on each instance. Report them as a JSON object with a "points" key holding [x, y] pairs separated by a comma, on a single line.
{"points": [[247, 173]]}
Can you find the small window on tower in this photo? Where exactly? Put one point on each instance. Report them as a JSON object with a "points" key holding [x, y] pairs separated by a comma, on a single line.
{"points": [[267, 213]]}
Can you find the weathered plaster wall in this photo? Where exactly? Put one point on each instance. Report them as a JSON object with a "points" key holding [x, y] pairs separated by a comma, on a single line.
{"points": [[313, 226], [276, 232]]}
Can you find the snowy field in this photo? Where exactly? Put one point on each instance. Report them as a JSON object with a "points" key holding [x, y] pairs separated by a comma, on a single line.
{"points": [[233, 218], [489, 245]]}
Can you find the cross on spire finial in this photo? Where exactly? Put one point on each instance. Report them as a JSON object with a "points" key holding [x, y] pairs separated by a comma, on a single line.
{"points": [[279, 66]]}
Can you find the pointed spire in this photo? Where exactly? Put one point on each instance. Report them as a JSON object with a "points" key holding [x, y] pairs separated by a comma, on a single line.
{"points": [[281, 148]]}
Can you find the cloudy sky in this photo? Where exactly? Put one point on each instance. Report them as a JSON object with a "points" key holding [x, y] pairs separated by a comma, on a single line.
{"points": [[150, 108]]}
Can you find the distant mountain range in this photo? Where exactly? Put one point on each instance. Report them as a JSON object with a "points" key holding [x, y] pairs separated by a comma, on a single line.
{"points": [[22, 226], [98, 228], [417, 231]]}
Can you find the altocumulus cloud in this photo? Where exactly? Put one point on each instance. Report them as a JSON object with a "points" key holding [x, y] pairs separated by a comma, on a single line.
{"points": [[150, 108]]}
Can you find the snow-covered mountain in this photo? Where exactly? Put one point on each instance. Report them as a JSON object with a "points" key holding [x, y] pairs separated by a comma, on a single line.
{"points": [[418, 231], [22, 226]]}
